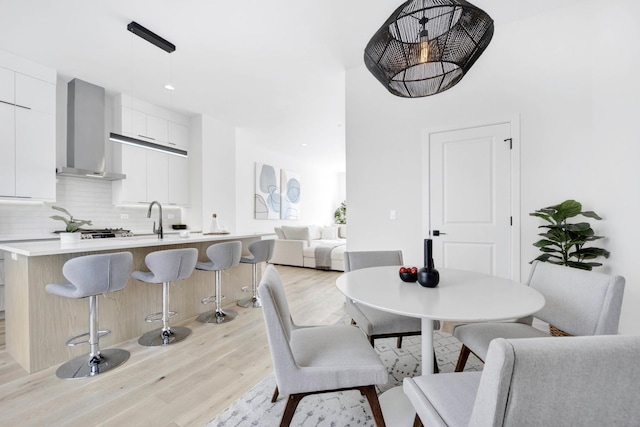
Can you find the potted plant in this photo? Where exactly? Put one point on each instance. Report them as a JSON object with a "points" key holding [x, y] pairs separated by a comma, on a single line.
{"points": [[340, 214], [564, 243], [72, 225]]}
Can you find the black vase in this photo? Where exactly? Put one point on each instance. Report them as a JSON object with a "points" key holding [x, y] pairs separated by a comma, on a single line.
{"points": [[428, 276]]}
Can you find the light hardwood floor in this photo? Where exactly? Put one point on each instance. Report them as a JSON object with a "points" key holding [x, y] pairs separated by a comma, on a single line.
{"points": [[187, 384]]}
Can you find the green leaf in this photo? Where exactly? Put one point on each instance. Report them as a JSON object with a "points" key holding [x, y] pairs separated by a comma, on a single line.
{"points": [[591, 214], [580, 265], [58, 208], [567, 209], [543, 243]]}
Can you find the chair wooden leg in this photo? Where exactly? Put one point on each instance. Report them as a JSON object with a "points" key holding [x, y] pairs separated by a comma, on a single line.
{"points": [[371, 341], [290, 409], [374, 403], [462, 358], [417, 422], [399, 343], [436, 369], [275, 395]]}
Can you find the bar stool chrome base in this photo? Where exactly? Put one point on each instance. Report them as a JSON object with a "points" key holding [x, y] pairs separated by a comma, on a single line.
{"points": [[250, 302], [81, 366], [158, 338], [217, 316]]}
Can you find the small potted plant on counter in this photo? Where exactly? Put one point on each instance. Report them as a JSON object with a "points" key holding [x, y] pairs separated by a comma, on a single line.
{"points": [[73, 225]]}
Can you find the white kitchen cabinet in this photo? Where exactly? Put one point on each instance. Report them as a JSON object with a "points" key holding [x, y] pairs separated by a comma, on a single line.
{"points": [[178, 180], [151, 175], [158, 176], [27, 134], [7, 86], [35, 172], [131, 161], [178, 135], [8, 149]]}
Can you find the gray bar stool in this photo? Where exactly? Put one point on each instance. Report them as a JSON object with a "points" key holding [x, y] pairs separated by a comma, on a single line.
{"points": [[222, 256], [261, 251], [90, 276], [166, 267]]}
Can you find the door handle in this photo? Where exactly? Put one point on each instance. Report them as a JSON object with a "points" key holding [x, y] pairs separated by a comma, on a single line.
{"points": [[437, 233]]}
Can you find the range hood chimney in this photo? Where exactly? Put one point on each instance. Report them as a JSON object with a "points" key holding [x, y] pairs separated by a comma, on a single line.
{"points": [[85, 132]]}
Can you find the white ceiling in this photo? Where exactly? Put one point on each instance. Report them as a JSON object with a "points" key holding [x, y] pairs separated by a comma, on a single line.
{"points": [[274, 66]]}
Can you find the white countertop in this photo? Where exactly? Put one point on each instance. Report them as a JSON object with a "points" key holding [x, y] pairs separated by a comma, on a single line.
{"points": [[55, 247]]}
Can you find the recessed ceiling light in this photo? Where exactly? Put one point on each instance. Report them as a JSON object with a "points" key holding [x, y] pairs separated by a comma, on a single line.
{"points": [[304, 144], [169, 86]]}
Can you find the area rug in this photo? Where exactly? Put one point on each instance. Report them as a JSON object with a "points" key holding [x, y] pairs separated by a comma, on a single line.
{"points": [[342, 409]]}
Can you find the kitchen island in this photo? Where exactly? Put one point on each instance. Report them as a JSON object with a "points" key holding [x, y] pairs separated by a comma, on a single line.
{"points": [[38, 324]]}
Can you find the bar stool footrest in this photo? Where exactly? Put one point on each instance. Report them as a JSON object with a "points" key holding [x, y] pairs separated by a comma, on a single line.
{"points": [[71, 342], [156, 317]]}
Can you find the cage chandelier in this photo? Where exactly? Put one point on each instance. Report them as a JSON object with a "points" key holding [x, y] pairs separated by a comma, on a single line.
{"points": [[427, 46]]}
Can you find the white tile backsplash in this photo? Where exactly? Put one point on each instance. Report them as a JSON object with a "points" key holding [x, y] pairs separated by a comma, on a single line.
{"points": [[85, 199]]}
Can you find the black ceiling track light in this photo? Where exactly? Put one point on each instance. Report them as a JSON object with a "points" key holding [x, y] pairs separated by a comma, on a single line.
{"points": [[427, 46], [151, 37]]}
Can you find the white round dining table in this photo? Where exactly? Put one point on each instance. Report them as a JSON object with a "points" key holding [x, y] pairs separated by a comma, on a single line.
{"points": [[461, 296]]}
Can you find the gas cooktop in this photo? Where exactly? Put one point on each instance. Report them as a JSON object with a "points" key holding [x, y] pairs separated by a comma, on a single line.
{"points": [[105, 233]]}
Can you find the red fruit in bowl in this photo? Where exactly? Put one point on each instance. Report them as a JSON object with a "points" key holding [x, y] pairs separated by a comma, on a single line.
{"points": [[403, 269], [414, 270]]}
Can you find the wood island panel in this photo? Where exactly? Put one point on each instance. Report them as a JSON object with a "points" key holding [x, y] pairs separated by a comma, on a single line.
{"points": [[38, 324]]}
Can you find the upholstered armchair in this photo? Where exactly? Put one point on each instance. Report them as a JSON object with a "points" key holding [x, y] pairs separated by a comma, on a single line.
{"points": [[577, 302], [577, 381]]}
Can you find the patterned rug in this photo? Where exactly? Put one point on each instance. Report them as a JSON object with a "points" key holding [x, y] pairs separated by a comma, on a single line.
{"points": [[342, 409]]}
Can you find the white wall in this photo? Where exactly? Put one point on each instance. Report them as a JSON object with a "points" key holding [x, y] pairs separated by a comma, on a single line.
{"points": [[217, 163], [570, 74], [321, 191]]}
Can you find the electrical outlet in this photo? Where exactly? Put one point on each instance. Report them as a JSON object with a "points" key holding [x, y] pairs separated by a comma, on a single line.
{"points": [[124, 216], [171, 216]]}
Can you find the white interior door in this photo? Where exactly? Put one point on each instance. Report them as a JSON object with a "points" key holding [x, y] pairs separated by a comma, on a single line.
{"points": [[471, 200]]}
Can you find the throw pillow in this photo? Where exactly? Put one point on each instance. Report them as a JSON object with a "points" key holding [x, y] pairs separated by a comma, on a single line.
{"points": [[342, 232], [314, 232], [329, 233], [295, 233], [279, 232]]}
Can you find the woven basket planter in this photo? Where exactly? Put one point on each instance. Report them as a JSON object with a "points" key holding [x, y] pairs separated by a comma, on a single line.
{"points": [[555, 332]]}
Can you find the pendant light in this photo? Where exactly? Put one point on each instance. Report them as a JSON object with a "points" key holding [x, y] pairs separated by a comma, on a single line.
{"points": [[168, 47], [427, 46]]}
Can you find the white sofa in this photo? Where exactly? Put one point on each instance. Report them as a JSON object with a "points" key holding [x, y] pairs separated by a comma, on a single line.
{"points": [[298, 246]]}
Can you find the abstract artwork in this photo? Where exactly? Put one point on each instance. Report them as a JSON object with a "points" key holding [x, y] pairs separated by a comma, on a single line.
{"points": [[290, 199], [267, 196]]}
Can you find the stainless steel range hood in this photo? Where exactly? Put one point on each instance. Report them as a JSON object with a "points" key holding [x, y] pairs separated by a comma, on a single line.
{"points": [[85, 132]]}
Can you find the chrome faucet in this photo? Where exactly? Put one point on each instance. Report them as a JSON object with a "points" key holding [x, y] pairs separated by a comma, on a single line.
{"points": [[159, 230]]}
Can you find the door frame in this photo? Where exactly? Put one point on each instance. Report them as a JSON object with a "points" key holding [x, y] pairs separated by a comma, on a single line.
{"points": [[516, 227]]}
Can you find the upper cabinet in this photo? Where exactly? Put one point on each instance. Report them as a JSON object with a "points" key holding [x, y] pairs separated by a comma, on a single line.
{"points": [[27, 130], [151, 175]]}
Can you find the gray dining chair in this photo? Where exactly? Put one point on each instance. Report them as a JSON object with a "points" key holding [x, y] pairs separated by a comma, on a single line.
{"points": [[316, 359], [578, 381], [577, 302]]}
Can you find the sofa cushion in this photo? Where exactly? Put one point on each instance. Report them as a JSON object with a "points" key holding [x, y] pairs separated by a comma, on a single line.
{"points": [[342, 232], [314, 232], [279, 232], [296, 232], [328, 233]]}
